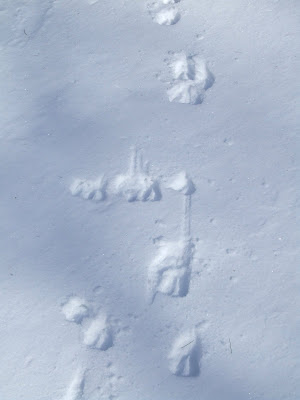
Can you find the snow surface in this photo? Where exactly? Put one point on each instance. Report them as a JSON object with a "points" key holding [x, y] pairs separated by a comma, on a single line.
{"points": [[190, 91]]}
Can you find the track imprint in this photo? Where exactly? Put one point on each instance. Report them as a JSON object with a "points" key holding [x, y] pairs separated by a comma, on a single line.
{"points": [[96, 328], [98, 334], [136, 184], [191, 78], [181, 183], [76, 386], [88, 189], [75, 309], [170, 270], [164, 12], [184, 357]]}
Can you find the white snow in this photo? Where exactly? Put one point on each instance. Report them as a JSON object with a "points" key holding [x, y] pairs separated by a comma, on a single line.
{"points": [[176, 276]]}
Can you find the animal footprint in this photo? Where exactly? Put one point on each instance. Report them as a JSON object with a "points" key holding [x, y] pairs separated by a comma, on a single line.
{"points": [[191, 78], [184, 357], [89, 190], [181, 183], [164, 12], [76, 387], [96, 327], [75, 309], [169, 272], [98, 334], [136, 184]]}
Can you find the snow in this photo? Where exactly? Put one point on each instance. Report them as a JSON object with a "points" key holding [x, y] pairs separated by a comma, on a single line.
{"points": [[176, 276]]}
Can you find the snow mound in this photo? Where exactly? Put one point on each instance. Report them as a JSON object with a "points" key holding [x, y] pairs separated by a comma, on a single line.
{"points": [[169, 272], [191, 78], [88, 189], [136, 184], [167, 16], [184, 356], [98, 334], [182, 183], [75, 309]]}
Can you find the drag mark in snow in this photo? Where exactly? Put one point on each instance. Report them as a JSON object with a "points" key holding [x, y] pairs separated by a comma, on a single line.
{"points": [[191, 78], [88, 189], [164, 12], [184, 357], [136, 184], [76, 387], [170, 270]]}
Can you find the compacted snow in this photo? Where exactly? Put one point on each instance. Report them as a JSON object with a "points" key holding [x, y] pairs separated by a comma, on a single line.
{"points": [[150, 200]]}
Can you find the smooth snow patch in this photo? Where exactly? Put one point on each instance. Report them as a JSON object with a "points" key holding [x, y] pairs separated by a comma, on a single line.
{"points": [[76, 387], [182, 183], [167, 16], [136, 184], [88, 189], [98, 334], [75, 309], [169, 272], [184, 356], [191, 78]]}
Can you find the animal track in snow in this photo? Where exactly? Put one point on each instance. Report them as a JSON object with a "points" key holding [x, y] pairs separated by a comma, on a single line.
{"points": [[98, 334], [136, 184], [75, 309], [76, 387], [170, 270], [164, 12], [88, 189], [184, 357], [191, 78], [96, 328], [181, 183]]}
